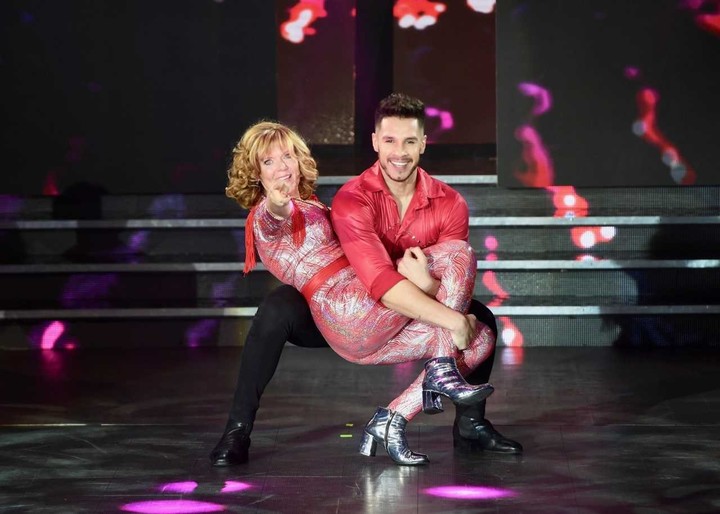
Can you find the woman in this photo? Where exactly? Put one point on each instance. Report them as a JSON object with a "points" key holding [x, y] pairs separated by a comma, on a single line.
{"points": [[274, 175]]}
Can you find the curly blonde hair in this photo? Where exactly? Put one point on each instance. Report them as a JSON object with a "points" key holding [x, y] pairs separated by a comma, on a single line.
{"points": [[244, 173]]}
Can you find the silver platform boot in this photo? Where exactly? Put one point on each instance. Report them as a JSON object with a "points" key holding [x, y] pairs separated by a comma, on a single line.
{"points": [[442, 378], [388, 428]]}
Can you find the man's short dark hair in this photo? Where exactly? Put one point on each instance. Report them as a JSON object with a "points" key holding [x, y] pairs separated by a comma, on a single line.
{"points": [[399, 105]]}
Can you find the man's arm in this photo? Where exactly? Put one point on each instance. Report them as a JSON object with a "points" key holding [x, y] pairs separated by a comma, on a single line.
{"points": [[407, 299]]}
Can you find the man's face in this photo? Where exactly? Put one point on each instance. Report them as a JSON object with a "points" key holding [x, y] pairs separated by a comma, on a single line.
{"points": [[399, 142]]}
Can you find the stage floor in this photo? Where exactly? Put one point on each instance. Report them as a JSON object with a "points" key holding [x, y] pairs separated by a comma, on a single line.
{"points": [[604, 431]]}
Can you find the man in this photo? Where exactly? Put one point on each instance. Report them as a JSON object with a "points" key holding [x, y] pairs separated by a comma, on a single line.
{"points": [[383, 216]]}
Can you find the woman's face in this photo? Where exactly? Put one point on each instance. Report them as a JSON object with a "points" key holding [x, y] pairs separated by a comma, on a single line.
{"points": [[280, 165]]}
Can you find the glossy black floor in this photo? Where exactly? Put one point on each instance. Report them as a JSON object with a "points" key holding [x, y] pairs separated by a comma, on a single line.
{"points": [[604, 430]]}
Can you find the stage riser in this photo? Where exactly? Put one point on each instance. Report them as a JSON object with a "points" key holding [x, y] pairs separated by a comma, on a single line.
{"points": [[137, 333], [165, 271], [483, 199], [219, 289], [227, 245]]}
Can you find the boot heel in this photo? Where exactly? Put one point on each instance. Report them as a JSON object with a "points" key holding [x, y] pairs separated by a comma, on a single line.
{"points": [[432, 402], [368, 445]]}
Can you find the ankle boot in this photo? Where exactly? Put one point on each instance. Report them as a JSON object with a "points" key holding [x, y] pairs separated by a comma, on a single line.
{"points": [[388, 428], [233, 446], [442, 377]]}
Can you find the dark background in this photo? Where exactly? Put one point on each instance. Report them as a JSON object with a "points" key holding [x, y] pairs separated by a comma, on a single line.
{"points": [[149, 97], [134, 96], [579, 51]]}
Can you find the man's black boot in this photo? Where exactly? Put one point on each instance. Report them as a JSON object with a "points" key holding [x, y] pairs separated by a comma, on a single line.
{"points": [[472, 432], [233, 446]]}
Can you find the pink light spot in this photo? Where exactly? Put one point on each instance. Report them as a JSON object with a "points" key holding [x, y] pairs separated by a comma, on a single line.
{"points": [[70, 345], [510, 333], [631, 72], [646, 128], [461, 492], [172, 507], [445, 118], [709, 22], [483, 6], [302, 16], [232, 486], [587, 258], [418, 14], [607, 233], [51, 335], [178, 487], [512, 356], [489, 280], [491, 243], [539, 171], [568, 204], [543, 100], [491, 257]]}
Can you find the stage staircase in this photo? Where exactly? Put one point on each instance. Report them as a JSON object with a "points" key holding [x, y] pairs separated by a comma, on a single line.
{"points": [[592, 267]]}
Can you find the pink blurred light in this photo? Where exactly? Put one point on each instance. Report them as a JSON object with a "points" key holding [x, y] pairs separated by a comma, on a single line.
{"points": [[462, 492], [489, 280], [302, 16], [178, 487], [540, 171], [483, 6], [172, 507], [646, 127], [631, 72], [510, 333], [418, 14], [491, 243], [232, 486], [543, 100], [512, 356], [51, 334]]}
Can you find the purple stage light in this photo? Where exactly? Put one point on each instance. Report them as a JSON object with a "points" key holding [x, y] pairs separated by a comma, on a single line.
{"points": [[232, 486], [51, 334], [172, 506], [178, 487], [462, 492], [542, 97]]}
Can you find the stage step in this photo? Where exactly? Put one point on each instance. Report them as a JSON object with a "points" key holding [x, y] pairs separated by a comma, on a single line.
{"points": [[640, 266]]}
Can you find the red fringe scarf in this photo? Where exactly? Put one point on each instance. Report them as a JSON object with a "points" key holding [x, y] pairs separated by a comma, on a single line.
{"points": [[298, 234]]}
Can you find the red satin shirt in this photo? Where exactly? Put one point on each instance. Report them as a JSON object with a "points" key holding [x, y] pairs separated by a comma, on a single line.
{"points": [[367, 222]]}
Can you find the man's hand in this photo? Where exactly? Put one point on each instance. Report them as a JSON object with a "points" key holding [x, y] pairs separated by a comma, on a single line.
{"points": [[463, 334], [414, 266]]}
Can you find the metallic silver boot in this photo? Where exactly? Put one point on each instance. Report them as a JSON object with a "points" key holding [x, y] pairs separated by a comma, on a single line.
{"points": [[442, 377], [388, 427]]}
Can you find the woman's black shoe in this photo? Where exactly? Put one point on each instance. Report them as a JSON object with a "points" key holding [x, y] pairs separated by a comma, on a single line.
{"points": [[233, 446]]}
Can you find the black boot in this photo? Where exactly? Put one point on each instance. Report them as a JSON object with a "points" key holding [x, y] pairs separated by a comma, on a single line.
{"points": [[472, 432], [233, 446]]}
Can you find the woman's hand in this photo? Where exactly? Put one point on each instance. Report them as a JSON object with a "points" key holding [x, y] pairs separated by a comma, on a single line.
{"points": [[464, 332], [279, 199], [413, 265]]}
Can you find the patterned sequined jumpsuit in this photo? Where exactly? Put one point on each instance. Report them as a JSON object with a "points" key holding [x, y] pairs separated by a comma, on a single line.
{"points": [[358, 328]]}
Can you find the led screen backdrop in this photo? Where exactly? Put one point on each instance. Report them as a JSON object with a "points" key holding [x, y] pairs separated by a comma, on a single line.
{"points": [[608, 92], [130, 96], [444, 53]]}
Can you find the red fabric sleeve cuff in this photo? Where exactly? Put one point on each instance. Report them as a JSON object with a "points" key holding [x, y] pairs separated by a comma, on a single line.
{"points": [[384, 282]]}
